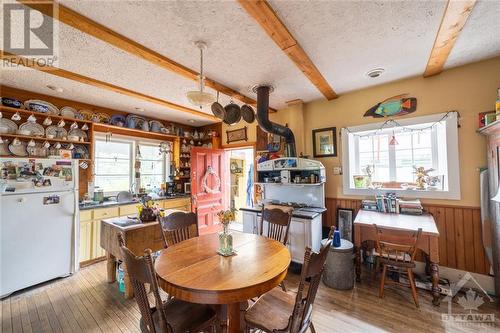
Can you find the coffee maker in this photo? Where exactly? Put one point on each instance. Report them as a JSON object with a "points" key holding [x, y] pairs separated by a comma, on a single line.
{"points": [[170, 189]]}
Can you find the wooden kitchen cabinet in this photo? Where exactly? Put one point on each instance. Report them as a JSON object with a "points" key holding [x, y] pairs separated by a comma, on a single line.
{"points": [[90, 224], [85, 251]]}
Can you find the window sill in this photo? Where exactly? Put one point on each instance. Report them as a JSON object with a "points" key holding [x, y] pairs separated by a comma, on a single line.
{"points": [[428, 194]]}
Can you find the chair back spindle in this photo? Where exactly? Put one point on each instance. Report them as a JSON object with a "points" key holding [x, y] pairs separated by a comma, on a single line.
{"points": [[178, 227], [310, 277], [278, 220], [400, 247], [141, 272]]}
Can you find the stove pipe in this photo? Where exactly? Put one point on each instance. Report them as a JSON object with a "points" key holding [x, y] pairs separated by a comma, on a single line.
{"points": [[270, 127]]}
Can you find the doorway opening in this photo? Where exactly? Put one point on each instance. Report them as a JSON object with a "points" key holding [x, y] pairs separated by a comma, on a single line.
{"points": [[241, 181]]}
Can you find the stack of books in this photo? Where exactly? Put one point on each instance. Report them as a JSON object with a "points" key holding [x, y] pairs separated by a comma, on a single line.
{"points": [[369, 205], [387, 203], [412, 207]]}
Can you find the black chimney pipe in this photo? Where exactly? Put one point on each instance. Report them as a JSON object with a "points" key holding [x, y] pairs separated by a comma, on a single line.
{"points": [[270, 127]]}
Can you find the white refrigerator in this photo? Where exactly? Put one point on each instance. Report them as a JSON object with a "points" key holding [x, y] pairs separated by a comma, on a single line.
{"points": [[39, 221]]}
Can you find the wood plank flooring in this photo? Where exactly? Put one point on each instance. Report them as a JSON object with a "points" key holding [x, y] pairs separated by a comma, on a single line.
{"points": [[85, 302]]}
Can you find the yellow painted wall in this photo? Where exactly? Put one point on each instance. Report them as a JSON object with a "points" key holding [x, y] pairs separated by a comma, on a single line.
{"points": [[469, 89]]}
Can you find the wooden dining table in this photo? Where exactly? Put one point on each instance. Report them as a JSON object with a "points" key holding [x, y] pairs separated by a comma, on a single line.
{"points": [[193, 271]]}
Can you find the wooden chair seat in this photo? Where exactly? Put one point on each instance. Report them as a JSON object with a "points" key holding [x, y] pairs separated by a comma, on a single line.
{"points": [[271, 312], [183, 316]]}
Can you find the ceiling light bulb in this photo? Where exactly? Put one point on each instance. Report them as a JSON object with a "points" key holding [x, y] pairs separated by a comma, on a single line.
{"points": [[374, 73]]}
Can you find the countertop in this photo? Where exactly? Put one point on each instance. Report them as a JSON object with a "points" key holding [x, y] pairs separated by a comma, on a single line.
{"points": [[303, 213], [132, 222], [106, 204]]}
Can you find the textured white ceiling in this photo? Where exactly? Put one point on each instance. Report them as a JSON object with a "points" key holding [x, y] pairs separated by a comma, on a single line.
{"points": [[33, 80], [344, 39], [239, 55], [480, 38]]}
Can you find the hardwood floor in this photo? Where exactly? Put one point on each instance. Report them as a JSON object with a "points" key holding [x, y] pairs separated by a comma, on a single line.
{"points": [[85, 302]]}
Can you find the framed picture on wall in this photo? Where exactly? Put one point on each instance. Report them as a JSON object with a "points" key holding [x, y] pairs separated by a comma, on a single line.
{"points": [[325, 142], [237, 135], [344, 223]]}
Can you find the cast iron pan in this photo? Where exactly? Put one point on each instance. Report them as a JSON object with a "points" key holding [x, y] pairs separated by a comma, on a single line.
{"points": [[233, 114], [247, 114], [218, 109]]}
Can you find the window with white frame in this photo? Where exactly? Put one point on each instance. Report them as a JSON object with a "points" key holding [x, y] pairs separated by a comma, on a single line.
{"points": [[384, 156], [115, 160], [113, 165], [153, 166]]}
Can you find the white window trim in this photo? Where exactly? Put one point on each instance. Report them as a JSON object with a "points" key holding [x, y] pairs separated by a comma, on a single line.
{"points": [[134, 142], [453, 167]]}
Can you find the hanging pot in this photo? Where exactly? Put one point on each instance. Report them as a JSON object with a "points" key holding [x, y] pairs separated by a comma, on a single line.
{"points": [[233, 113], [247, 114], [218, 109]]}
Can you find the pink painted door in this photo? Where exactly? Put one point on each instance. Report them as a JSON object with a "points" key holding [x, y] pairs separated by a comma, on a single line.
{"points": [[207, 187]]}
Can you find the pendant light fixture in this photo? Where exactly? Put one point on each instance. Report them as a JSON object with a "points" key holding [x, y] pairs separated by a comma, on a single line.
{"points": [[199, 97], [393, 141]]}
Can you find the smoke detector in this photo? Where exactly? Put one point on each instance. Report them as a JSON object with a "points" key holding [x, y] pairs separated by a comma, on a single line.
{"points": [[374, 73]]}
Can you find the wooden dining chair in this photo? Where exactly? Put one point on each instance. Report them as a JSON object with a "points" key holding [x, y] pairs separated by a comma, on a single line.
{"points": [[177, 227], [278, 220], [279, 312], [397, 248], [164, 317]]}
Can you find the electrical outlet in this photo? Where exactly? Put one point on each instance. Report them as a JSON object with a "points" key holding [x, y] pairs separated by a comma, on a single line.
{"points": [[337, 170]]}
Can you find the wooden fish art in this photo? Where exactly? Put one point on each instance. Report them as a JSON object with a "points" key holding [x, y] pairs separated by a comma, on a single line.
{"points": [[398, 105]]}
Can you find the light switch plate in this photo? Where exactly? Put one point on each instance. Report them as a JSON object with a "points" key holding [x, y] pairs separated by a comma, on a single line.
{"points": [[337, 170]]}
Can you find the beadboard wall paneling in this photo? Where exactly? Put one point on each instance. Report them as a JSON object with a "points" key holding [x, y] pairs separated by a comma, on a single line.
{"points": [[460, 241]]}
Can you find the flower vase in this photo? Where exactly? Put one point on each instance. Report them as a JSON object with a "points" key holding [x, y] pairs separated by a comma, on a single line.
{"points": [[225, 242]]}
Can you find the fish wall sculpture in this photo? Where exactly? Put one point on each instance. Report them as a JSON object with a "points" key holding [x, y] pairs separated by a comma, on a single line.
{"points": [[398, 105]]}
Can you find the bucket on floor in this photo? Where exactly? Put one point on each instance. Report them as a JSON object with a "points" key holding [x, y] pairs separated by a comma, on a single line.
{"points": [[120, 278], [339, 267]]}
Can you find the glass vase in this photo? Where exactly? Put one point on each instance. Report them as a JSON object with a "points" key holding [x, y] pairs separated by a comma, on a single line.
{"points": [[225, 242]]}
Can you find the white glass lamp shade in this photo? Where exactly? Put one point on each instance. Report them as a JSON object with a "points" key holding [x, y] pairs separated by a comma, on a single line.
{"points": [[200, 98], [496, 198]]}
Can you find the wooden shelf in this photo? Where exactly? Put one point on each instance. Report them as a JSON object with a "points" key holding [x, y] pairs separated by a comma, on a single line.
{"points": [[132, 132], [46, 158], [41, 138], [40, 114]]}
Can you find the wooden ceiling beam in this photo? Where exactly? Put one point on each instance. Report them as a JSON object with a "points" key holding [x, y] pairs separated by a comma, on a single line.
{"points": [[454, 18], [99, 31], [100, 84], [263, 13]]}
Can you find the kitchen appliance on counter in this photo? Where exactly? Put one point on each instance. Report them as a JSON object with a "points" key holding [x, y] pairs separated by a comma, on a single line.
{"points": [[38, 221], [295, 182]]}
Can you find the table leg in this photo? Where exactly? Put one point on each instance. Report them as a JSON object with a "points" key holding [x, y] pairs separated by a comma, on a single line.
{"points": [[435, 283], [222, 314], [111, 267], [357, 253], [233, 313]]}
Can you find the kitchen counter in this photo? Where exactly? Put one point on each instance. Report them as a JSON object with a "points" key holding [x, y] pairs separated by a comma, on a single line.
{"points": [[304, 213], [107, 204]]}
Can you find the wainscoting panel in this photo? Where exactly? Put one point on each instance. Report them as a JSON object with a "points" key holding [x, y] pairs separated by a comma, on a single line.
{"points": [[460, 241]]}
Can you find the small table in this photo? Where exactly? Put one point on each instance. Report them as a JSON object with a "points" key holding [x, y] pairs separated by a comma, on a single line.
{"points": [[193, 271], [428, 242], [138, 237]]}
